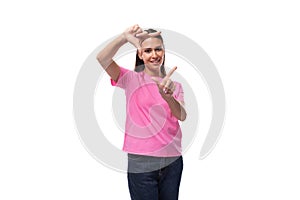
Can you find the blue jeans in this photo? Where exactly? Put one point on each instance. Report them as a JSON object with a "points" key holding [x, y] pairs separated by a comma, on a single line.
{"points": [[154, 178]]}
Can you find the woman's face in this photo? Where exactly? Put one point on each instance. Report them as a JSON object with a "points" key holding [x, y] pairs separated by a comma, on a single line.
{"points": [[152, 53]]}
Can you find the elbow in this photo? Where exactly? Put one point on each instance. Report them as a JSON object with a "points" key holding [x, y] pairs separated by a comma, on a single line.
{"points": [[182, 117], [102, 61]]}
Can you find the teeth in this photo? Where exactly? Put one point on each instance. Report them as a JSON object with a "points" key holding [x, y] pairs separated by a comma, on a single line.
{"points": [[155, 61]]}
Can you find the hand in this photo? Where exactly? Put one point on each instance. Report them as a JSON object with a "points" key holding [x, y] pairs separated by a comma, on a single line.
{"points": [[166, 86], [135, 35]]}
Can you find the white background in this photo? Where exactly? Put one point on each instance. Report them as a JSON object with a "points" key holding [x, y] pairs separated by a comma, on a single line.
{"points": [[255, 46]]}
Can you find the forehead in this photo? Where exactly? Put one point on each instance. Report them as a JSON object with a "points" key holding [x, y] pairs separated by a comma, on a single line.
{"points": [[151, 43]]}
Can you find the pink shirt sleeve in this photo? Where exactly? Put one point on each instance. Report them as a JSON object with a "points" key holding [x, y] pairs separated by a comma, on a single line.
{"points": [[123, 78], [178, 93]]}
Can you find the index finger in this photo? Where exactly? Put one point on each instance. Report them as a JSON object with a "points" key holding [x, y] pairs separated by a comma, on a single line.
{"points": [[171, 72], [142, 34], [154, 34], [145, 34]]}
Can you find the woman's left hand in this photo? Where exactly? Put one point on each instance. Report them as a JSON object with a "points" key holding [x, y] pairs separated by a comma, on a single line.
{"points": [[166, 86]]}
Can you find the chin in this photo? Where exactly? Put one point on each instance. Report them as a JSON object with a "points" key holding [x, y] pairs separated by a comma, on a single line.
{"points": [[154, 66]]}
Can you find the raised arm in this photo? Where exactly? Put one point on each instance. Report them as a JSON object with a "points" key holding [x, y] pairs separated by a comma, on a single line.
{"points": [[105, 57], [132, 35]]}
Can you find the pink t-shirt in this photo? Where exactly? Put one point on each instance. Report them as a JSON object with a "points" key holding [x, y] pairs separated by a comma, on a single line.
{"points": [[150, 127]]}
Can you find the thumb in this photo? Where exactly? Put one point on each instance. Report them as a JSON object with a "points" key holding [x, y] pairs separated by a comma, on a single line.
{"points": [[156, 80], [136, 43]]}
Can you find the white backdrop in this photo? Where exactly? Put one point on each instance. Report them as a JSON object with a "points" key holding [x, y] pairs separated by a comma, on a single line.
{"points": [[255, 46]]}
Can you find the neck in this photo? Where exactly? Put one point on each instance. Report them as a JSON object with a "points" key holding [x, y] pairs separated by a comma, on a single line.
{"points": [[152, 72]]}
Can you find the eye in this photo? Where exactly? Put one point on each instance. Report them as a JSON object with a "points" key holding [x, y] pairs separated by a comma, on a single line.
{"points": [[147, 50], [159, 49]]}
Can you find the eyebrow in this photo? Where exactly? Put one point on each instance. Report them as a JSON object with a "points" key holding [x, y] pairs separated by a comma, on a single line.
{"points": [[153, 48]]}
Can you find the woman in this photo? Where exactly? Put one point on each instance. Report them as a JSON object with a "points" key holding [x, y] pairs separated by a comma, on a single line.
{"points": [[154, 104]]}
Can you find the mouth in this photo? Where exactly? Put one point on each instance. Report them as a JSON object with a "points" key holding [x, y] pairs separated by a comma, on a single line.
{"points": [[155, 62]]}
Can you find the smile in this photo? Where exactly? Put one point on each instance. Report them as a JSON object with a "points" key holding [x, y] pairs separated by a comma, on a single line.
{"points": [[156, 61]]}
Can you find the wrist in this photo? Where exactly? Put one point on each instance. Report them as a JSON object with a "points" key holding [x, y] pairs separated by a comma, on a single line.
{"points": [[123, 38], [170, 99]]}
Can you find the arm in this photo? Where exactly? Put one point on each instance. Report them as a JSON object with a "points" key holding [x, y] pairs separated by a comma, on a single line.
{"points": [[105, 57], [132, 35], [166, 88], [177, 108]]}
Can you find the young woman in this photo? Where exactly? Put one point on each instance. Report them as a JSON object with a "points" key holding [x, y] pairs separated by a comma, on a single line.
{"points": [[154, 104]]}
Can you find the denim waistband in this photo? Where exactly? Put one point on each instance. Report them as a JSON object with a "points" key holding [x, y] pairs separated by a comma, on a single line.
{"points": [[142, 163]]}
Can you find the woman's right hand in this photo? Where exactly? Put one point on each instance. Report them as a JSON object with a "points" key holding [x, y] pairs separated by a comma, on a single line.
{"points": [[136, 34], [130, 35]]}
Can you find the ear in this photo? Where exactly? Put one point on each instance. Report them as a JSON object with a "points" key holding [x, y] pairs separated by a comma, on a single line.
{"points": [[140, 54]]}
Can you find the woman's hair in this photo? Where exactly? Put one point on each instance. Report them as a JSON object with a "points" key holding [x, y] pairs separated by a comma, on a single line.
{"points": [[139, 63]]}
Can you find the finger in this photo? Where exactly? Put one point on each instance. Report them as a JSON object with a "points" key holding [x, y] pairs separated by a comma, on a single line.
{"points": [[139, 31], [146, 34], [135, 28], [171, 72], [165, 90], [154, 34], [168, 91], [155, 80], [131, 29], [142, 34], [163, 82], [168, 84], [173, 88]]}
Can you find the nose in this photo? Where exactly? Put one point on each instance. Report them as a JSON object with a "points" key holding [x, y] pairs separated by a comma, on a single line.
{"points": [[154, 53]]}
